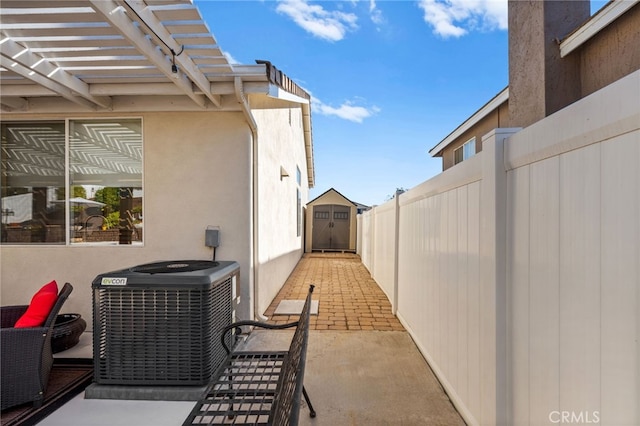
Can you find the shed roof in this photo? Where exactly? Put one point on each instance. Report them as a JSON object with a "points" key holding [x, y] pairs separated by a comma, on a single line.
{"points": [[331, 190]]}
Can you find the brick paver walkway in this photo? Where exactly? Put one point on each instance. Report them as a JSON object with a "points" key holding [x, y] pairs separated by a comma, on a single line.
{"points": [[349, 299]]}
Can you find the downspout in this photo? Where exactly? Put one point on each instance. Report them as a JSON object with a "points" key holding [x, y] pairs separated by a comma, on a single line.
{"points": [[308, 145], [244, 105]]}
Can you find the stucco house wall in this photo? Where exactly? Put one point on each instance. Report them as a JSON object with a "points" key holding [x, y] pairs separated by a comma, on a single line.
{"points": [[215, 137], [280, 157], [611, 55], [196, 174]]}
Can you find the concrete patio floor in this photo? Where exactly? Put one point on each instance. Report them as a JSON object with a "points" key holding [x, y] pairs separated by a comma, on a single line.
{"points": [[366, 378], [362, 367]]}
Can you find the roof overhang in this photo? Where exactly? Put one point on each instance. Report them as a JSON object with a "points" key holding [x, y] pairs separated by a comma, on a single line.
{"points": [[605, 16], [488, 108]]}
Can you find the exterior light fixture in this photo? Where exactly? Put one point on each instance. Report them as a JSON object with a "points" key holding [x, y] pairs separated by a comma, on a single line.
{"points": [[283, 173], [174, 67]]}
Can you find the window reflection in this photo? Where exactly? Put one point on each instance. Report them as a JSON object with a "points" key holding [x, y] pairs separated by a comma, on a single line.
{"points": [[105, 195], [33, 182]]}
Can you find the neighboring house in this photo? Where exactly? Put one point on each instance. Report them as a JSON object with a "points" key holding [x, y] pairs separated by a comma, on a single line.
{"points": [[466, 140], [331, 223], [562, 64], [361, 208], [132, 110]]}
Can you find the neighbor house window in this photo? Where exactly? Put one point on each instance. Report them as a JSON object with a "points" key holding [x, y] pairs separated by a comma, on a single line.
{"points": [[72, 182], [468, 149]]}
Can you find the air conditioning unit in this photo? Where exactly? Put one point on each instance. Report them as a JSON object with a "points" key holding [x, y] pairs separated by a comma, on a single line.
{"points": [[159, 323]]}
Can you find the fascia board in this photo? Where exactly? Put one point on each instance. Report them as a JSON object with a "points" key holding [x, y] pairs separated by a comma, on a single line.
{"points": [[490, 106], [593, 26]]}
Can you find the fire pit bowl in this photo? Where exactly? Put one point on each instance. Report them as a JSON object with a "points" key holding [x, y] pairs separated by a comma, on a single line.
{"points": [[67, 331]]}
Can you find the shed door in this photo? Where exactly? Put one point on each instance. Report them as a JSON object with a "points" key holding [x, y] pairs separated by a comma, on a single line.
{"points": [[331, 227], [340, 227]]}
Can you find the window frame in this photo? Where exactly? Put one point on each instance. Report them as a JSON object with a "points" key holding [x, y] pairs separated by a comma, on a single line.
{"points": [[68, 184], [462, 153]]}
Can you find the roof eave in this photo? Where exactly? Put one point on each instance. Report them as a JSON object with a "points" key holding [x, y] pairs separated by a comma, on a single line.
{"points": [[603, 18], [488, 108]]}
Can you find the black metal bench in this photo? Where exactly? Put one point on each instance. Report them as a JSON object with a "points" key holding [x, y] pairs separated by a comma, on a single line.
{"points": [[258, 388]]}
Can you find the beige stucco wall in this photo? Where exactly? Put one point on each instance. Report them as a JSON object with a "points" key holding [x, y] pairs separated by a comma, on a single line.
{"points": [[197, 172], [612, 54], [330, 197], [279, 147], [540, 81]]}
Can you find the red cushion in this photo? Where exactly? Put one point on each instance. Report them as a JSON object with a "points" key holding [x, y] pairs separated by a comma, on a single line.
{"points": [[40, 306]]}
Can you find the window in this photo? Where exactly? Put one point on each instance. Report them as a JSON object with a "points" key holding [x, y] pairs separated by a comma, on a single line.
{"points": [[299, 203], [467, 150], [340, 215], [299, 213], [72, 182]]}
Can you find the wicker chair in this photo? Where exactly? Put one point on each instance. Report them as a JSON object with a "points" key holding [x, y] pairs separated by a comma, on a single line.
{"points": [[26, 356]]}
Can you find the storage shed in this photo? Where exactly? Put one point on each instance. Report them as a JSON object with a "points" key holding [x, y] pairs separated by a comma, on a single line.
{"points": [[331, 223]]}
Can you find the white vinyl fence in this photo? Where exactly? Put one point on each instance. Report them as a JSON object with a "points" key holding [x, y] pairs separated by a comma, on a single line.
{"points": [[517, 272]]}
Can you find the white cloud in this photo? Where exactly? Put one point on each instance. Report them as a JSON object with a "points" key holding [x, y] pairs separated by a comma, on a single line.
{"points": [[315, 19], [346, 111], [455, 18], [375, 13], [230, 58]]}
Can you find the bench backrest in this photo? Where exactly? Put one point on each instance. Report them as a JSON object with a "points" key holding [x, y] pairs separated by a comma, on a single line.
{"points": [[286, 407]]}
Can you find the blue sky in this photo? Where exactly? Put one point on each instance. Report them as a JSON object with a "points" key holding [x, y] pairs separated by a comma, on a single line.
{"points": [[389, 79]]}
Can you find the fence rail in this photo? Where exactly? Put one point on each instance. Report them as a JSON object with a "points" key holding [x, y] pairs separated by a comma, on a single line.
{"points": [[516, 272]]}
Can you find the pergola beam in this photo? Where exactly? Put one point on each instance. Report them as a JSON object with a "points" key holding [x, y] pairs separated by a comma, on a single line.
{"points": [[14, 53], [133, 89], [58, 88], [184, 63], [117, 17], [25, 91]]}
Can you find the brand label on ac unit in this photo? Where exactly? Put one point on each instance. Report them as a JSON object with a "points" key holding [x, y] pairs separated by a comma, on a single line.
{"points": [[114, 281]]}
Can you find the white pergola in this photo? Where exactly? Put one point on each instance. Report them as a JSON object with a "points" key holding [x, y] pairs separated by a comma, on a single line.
{"points": [[123, 56], [90, 52]]}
